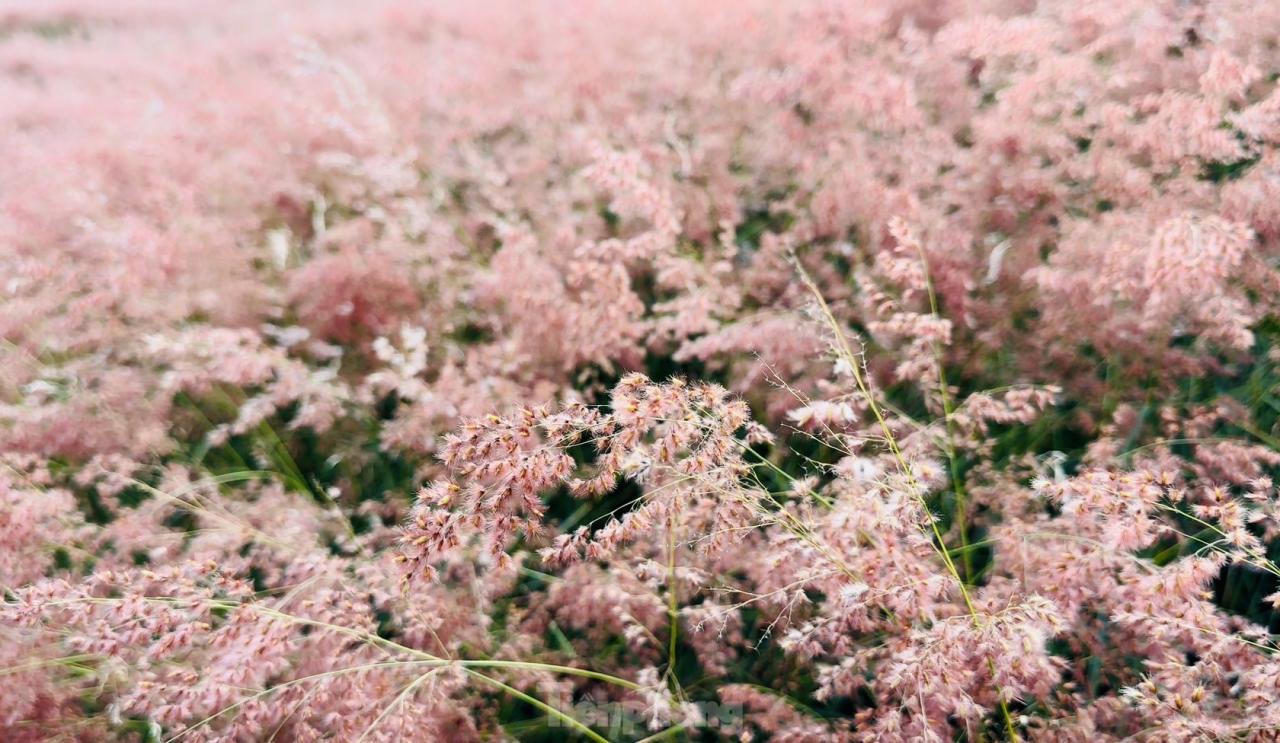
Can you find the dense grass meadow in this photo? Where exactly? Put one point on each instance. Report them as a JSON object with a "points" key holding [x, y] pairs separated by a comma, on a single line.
{"points": [[639, 371]]}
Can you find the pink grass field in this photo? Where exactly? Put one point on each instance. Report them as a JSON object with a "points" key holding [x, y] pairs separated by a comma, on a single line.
{"points": [[735, 370]]}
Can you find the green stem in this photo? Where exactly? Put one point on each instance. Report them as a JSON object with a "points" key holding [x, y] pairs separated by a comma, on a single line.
{"points": [[948, 411], [673, 602], [855, 368], [569, 720]]}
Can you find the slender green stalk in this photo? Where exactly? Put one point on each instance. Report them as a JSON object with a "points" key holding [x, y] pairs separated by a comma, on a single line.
{"points": [[939, 544], [670, 732], [948, 411], [673, 603], [569, 720]]}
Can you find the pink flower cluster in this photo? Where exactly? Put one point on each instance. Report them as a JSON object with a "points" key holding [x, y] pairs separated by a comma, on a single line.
{"points": [[897, 370]]}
